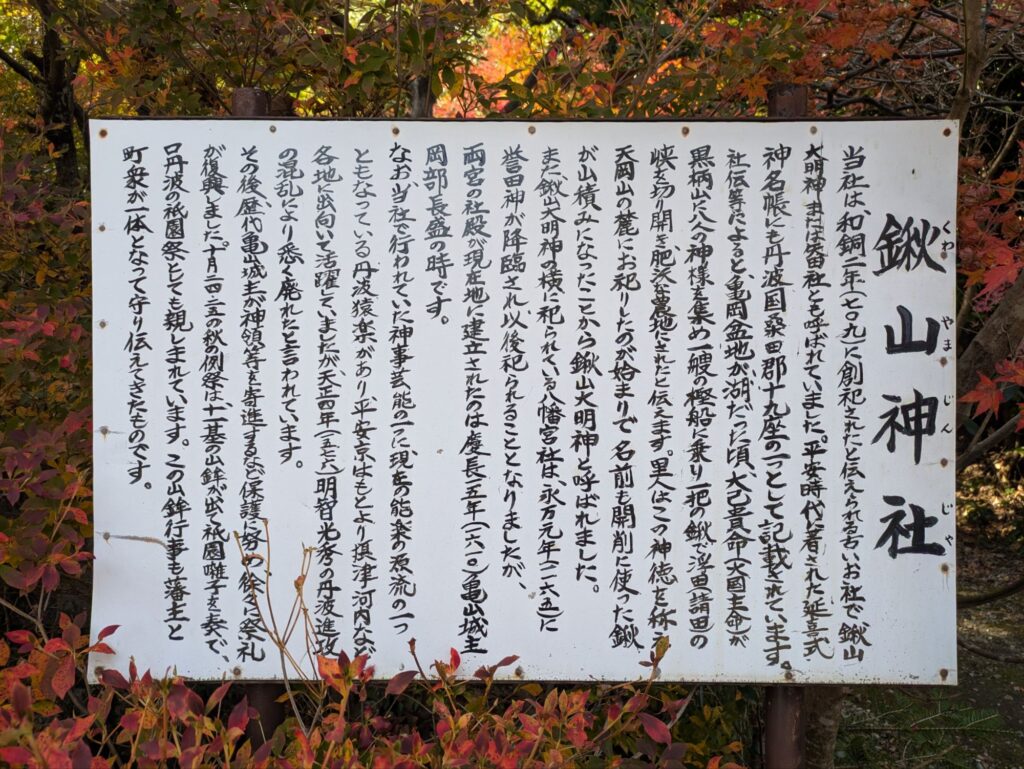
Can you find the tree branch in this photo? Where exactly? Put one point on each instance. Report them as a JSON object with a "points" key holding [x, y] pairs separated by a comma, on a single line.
{"points": [[976, 452], [974, 58], [892, 111], [568, 18], [980, 599], [966, 303], [530, 82], [1011, 141], [1007, 658], [19, 68]]}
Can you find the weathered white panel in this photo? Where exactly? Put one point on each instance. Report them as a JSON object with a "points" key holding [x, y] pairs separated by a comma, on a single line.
{"points": [[551, 389]]}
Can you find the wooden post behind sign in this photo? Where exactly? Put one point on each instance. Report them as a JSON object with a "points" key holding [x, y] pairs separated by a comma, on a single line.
{"points": [[250, 102], [254, 102], [787, 100], [784, 727], [785, 722]]}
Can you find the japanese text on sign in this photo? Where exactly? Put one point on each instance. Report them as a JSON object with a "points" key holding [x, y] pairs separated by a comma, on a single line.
{"points": [[555, 392]]}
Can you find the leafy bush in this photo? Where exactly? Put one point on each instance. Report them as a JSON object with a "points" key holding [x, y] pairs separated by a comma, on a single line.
{"points": [[50, 720]]}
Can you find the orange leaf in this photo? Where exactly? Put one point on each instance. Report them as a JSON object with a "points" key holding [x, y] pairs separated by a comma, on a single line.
{"points": [[1010, 371], [328, 668], [755, 88], [843, 36], [986, 395], [880, 50]]}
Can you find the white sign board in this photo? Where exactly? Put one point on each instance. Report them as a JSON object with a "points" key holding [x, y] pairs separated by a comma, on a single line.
{"points": [[554, 389]]}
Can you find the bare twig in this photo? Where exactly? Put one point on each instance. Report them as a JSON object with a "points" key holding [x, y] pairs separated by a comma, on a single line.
{"points": [[978, 450], [966, 301], [271, 627], [24, 615], [1010, 659], [980, 599]]}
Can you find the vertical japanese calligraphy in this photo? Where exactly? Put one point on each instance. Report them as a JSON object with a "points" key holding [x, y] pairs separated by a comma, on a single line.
{"points": [[289, 299], [513, 355], [852, 255], [551, 408], [662, 573], [475, 519], [585, 368], [626, 282], [136, 226], [178, 325], [776, 532], [364, 314], [701, 398], [401, 581], [738, 397], [251, 213], [813, 484], [439, 231], [216, 410], [329, 457]]}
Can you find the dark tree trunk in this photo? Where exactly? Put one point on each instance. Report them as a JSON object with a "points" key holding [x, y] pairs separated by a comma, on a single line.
{"points": [[422, 98], [57, 98], [823, 706]]}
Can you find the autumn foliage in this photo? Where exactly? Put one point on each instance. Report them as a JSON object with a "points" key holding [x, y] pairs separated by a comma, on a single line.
{"points": [[60, 64]]}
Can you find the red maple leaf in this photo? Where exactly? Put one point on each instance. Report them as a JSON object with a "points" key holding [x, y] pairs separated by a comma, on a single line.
{"points": [[986, 395]]}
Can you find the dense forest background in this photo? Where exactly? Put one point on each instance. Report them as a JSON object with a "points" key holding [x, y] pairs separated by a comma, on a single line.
{"points": [[64, 61]]}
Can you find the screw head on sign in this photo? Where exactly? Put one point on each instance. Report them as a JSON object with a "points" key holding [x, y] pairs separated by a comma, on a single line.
{"points": [[532, 129], [947, 131], [103, 133], [394, 130], [686, 130]]}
